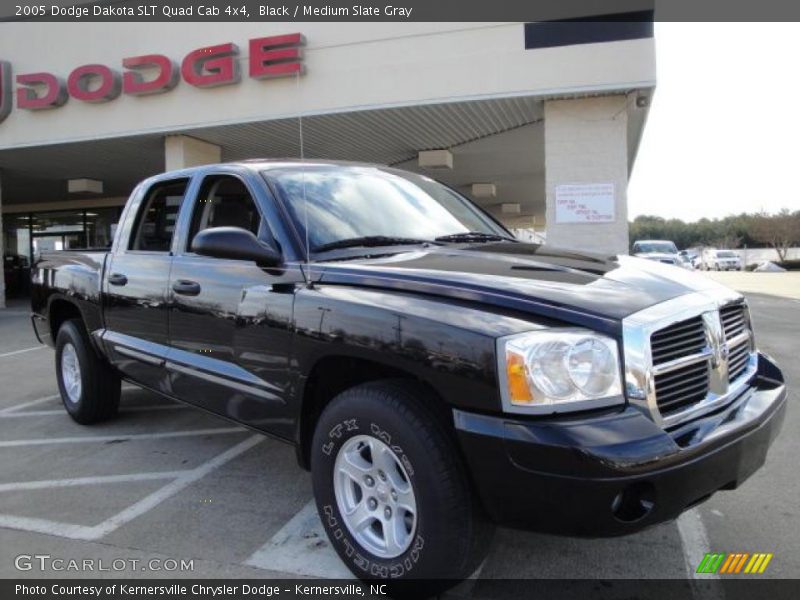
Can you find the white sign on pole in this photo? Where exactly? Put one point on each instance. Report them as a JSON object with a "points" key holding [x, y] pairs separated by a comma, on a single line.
{"points": [[585, 203]]}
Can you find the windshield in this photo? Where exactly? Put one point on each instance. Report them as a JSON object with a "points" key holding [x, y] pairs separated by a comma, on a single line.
{"points": [[648, 247], [726, 254], [363, 201]]}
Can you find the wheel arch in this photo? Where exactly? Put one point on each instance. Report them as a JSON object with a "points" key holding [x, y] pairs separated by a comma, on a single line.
{"points": [[60, 310], [334, 374]]}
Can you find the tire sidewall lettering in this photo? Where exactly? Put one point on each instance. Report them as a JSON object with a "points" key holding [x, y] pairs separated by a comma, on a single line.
{"points": [[336, 432], [379, 568], [386, 438]]}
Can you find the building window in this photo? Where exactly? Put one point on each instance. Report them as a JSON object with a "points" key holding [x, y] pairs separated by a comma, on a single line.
{"points": [[26, 236], [16, 253], [101, 226], [62, 230]]}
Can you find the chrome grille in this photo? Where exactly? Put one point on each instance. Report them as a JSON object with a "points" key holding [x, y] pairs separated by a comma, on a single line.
{"points": [[688, 356], [738, 360], [682, 339], [684, 385], [736, 325], [734, 320], [681, 388]]}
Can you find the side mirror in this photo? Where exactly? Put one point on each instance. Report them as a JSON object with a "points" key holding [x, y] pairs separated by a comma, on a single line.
{"points": [[235, 243]]}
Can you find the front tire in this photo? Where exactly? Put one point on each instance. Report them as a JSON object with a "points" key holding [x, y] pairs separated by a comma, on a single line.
{"points": [[391, 489], [89, 388]]}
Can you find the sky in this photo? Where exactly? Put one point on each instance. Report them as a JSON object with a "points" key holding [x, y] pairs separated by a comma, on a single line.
{"points": [[723, 133]]}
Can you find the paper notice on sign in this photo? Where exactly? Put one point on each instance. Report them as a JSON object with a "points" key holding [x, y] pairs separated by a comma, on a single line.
{"points": [[585, 203]]}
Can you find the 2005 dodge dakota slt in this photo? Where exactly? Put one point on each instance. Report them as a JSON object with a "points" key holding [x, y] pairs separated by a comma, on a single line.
{"points": [[436, 375]]}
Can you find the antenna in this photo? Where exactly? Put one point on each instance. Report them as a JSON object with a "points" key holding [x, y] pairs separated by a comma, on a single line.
{"points": [[303, 176]]}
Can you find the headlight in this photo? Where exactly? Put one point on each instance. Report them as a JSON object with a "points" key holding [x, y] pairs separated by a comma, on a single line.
{"points": [[558, 370]]}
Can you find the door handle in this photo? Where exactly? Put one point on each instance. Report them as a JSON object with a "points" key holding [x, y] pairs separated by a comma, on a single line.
{"points": [[117, 279], [186, 287]]}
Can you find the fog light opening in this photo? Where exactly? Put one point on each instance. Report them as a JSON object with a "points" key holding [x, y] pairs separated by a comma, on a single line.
{"points": [[634, 503]]}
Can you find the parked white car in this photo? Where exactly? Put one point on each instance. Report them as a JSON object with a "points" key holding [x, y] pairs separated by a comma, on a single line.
{"points": [[663, 251], [722, 260]]}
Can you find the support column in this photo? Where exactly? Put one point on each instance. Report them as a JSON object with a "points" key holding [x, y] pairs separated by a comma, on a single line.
{"points": [[586, 173], [2, 247], [181, 151]]}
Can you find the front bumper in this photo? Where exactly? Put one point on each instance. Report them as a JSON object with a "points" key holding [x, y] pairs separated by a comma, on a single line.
{"points": [[617, 472]]}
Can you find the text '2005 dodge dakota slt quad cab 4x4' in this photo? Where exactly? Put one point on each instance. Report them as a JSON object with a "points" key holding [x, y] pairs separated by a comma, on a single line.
{"points": [[436, 375]]}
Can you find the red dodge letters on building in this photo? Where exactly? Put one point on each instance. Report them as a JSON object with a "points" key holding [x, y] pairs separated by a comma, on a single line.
{"points": [[210, 66]]}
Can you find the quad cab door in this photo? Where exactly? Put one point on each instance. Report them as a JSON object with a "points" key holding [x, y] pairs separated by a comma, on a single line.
{"points": [[135, 284], [230, 320]]}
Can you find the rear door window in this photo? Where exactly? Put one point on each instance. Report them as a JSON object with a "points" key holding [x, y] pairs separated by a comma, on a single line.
{"points": [[155, 223]]}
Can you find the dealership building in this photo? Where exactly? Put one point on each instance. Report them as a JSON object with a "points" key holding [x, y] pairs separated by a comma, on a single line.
{"points": [[538, 123]]}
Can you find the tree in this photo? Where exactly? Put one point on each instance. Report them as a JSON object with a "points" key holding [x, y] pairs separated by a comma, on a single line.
{"points": [[779, 231], [732, 231], [727, 240]]}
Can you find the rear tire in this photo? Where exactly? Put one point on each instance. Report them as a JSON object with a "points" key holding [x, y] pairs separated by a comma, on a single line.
{"points": [[383, 457], [89, 387]]}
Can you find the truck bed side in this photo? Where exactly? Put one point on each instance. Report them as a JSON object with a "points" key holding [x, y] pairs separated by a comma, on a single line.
{"points": [[66, 284]]}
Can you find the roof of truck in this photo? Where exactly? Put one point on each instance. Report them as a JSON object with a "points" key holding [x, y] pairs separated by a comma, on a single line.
{"points": [[261, 164], [272, 163]]}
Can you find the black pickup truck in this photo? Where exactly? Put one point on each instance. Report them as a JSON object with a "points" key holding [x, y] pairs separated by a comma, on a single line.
{"points": [[436, 375]]}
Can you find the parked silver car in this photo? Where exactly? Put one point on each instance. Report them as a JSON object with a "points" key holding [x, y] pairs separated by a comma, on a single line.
{"points": [[723, 260]]}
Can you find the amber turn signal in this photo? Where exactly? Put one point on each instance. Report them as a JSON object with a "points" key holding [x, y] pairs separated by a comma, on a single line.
{"points": [[516, 372]]}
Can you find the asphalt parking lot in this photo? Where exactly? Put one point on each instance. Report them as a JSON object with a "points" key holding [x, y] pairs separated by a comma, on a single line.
{"points": [[166, 481]]}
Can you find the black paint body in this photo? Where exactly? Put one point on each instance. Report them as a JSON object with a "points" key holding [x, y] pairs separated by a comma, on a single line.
{"points": [[250, 343]]}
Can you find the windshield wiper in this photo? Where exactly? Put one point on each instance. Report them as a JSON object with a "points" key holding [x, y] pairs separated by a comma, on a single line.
{"points": [[473, 236], [370, 241]]}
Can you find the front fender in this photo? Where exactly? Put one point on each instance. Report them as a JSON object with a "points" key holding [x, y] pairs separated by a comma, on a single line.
{"points": [[450, 345]]}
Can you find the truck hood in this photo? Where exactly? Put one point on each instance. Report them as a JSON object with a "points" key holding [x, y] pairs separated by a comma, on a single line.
{"points": [[538, 279]]}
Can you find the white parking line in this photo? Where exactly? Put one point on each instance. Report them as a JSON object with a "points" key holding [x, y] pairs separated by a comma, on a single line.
{"points": [[32, 413], [66, 530], [61, 411], [695, 542], [174, 487], [694, 539], [15, 352], [84, 532], [301, 547], [17, 407], [121, 437], [77, 481]]}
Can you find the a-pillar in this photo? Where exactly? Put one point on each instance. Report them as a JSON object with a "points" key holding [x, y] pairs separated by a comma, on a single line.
{"points": [[181, 151], [586, 173]]}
